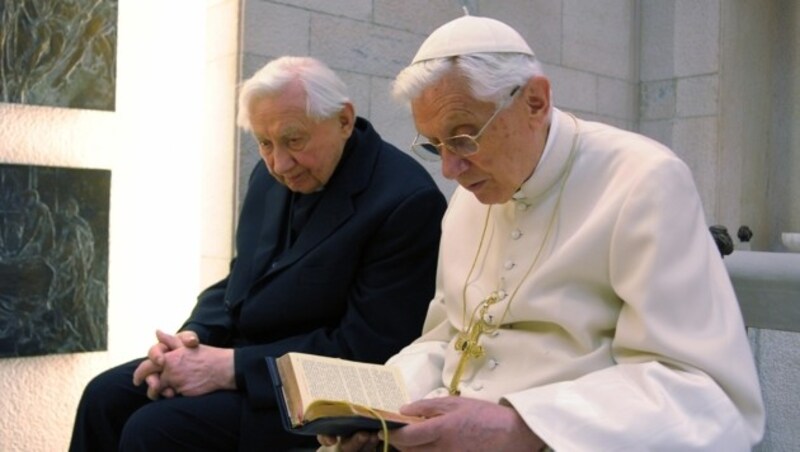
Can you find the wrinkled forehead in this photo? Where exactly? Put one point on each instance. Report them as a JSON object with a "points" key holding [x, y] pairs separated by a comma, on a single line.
{"points": [[273, 116], [450, 87], [444, 107]]}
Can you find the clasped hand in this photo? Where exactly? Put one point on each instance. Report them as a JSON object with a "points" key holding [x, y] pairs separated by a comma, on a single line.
{"points": [[179, 364], [453, 423]]}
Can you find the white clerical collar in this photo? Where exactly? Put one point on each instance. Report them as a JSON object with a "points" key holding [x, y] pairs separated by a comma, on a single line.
{"points": [[555, 121]]}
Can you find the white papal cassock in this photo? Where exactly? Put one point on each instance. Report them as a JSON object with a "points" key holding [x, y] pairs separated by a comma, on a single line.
{"points": [[625, 334]]}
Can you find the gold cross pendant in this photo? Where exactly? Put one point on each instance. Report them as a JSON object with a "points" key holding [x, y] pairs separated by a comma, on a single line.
{"points": [[467, 342], [469, 347]]}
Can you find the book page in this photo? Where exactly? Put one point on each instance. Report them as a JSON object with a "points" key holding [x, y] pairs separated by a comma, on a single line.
{"points": [[372, 385], [291, 392], [327, 408]]}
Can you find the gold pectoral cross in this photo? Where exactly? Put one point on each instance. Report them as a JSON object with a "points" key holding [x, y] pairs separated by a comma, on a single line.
{"points": [[467, 341]]}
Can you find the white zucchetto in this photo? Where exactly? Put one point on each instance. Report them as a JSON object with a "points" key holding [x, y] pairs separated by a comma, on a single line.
{"points": [[471, 34]]}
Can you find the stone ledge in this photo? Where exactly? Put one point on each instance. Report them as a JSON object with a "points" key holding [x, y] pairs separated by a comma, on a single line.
{"points": [[768, 288]]}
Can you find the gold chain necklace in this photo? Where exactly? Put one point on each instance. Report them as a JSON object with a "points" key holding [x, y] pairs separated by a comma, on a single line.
{"points": [[467, 341]]}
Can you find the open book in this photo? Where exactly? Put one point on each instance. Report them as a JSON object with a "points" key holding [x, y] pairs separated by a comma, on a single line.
{"points": [[321, 395]]}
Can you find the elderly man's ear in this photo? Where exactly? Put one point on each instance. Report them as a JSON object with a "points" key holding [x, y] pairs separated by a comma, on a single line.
{"points": [[347, 119], [536, 94]]}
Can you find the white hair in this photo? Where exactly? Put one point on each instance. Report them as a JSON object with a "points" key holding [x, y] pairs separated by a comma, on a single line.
{"points": [[491, 76], [326, 93]]}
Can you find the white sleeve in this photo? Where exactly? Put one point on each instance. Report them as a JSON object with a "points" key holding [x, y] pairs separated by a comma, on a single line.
{"points": [[685, 378], [634, 407], [421, 365]]}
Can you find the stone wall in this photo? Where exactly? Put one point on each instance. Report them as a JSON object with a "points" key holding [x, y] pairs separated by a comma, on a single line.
{"points": [[368, 42]]}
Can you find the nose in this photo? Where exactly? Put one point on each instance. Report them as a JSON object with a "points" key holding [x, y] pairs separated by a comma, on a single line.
{"points": [[453, 165], [280, 160]]}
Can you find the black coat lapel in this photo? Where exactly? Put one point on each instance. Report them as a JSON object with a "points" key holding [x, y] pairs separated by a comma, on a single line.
{"points": [[258, 238], [336, 205]]}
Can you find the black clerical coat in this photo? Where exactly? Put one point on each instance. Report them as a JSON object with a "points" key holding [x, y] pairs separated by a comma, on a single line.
{"points": [[355, 283]]}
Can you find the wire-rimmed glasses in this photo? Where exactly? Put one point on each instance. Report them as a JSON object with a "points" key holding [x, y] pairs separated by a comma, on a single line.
{"points": [[461, 145]]}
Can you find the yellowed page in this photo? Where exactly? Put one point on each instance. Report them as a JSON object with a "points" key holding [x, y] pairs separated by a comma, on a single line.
{"points": [[327, 408], [291, 392], [373, 385]]}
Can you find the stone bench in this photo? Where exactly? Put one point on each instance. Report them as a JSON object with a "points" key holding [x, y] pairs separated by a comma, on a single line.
{"points": [[767, 286]]}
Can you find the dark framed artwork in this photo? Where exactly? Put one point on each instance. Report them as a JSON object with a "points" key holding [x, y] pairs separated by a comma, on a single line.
{"points": [[59, 53], [53, 260]]}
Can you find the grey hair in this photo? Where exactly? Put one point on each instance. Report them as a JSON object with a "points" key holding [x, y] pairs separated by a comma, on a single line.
{"points": [[326, 93], [491, 76]]}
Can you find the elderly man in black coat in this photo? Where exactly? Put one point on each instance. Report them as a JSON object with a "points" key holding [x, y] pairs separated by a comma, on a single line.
{"points": [[336, 253]]}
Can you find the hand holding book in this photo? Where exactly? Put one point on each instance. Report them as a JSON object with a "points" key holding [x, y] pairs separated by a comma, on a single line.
{"points": [[452, 423], [331, 396]]}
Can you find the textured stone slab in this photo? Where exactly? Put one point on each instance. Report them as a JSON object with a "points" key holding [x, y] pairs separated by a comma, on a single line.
{"points": [[572, 89], [275, 30], [598, 37], [361, 47], [768, 288], [697, 96], [658, 99], [417, 16], [538, 21]]}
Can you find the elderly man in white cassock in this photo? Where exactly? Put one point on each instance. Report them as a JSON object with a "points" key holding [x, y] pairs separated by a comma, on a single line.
{"points": [[581, 303]]}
